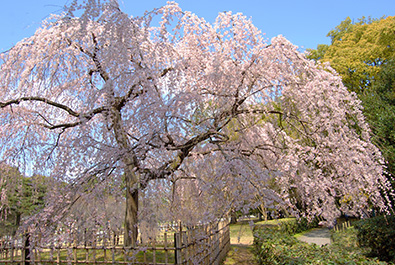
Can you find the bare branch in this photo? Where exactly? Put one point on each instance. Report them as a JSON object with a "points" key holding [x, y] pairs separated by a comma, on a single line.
{"points": [[40, 99]]}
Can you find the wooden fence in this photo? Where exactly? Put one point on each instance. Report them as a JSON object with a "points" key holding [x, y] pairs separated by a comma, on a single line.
{"points": [[342, 226], [204, 244]]}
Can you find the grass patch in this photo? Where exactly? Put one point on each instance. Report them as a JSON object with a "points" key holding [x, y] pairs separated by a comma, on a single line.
{"points": [[275, 221], [47, 256], [241, 234], [241, 239], [240, 255]]}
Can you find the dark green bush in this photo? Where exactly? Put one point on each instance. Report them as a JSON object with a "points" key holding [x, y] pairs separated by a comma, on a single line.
{"points": [[378, 234], [295, 226], [276, 247]]}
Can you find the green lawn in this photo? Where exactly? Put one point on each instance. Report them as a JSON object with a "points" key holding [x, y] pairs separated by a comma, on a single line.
{"points": [[241, 234]]}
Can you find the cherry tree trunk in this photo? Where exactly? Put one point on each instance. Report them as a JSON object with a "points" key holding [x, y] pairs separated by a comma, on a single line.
{"points": [[132, 198], [131, 180]]}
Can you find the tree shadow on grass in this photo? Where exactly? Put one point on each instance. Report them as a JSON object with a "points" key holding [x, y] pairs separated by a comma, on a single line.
{"points": [[240, 255]]}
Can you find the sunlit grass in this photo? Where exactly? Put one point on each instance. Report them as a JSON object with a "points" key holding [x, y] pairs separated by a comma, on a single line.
{"points": [[274, 221], [89, 256], [241, 234]]}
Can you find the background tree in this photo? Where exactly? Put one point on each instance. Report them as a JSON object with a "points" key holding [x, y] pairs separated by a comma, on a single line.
{"points": [[358, 49], [25, 197], [106, 98], [379, 109]]}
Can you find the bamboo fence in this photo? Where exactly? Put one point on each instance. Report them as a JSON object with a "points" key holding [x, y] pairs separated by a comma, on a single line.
{"points": [[203, 244]]}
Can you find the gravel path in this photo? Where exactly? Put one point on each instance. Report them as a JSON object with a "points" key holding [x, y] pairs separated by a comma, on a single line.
{"points": [[319, 236]]}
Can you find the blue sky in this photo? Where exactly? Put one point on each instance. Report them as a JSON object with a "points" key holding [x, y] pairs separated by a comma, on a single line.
{"points": [[303, 22]]}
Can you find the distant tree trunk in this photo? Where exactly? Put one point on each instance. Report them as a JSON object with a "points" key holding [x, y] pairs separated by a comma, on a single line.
{"points": [[233, 217], [17, 220], [17, 223], [262, 213]]}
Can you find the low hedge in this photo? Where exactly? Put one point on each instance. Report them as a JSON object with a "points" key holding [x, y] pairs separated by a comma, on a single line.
{"points": [[378, 234], [295, 226], [277, 245], [288, 225]]}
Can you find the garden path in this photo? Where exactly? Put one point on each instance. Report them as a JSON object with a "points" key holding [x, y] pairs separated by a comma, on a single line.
{"points": [[319, 236]]}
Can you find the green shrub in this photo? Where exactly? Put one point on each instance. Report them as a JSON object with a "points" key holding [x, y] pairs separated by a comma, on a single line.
{"points": [[274, 247], [347, 241], [288, 225], [378, 234], [295, 226]]}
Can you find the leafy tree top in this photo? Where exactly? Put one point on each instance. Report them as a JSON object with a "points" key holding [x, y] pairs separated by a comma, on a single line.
{"points": [[358, 50]]}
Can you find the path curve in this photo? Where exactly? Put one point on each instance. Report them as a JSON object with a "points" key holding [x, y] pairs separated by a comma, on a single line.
{"points": [[319, 236]]}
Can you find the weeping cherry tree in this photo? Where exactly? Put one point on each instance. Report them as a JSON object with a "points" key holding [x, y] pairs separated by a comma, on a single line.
{"points": [[104, 99]]}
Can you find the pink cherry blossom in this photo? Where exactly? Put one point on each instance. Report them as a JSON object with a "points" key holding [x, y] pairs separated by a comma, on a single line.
{"points": [[190, 120]]}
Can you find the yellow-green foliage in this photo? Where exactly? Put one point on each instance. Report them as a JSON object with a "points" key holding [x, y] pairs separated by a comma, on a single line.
{"points": [[358, 50]]}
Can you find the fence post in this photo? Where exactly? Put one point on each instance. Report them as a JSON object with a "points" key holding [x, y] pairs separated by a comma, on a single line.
{"points": [[177, 246], [26, 249]]}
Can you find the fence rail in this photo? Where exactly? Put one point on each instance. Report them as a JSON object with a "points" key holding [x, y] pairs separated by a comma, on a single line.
{"points": [[205, 244], [202, 245]]}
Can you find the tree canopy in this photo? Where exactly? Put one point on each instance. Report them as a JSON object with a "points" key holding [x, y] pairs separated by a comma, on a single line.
{"points": [[25, 196], [379, 109], [358, 49], [210, 114]]}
